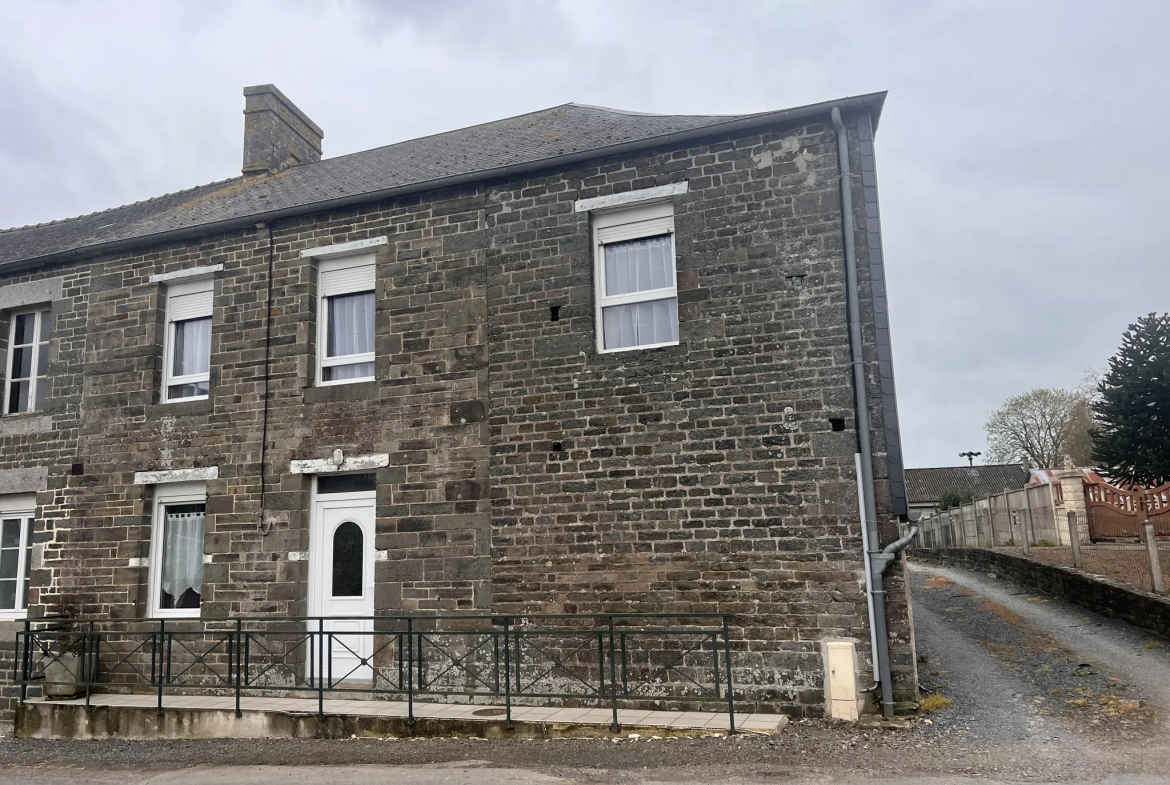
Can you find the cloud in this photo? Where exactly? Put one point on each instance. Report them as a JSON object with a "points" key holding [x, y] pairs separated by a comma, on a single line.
{"points": [[1017, 156]]}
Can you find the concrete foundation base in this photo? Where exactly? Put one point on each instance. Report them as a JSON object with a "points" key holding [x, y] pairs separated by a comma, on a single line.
{"points": [[108, 720]]}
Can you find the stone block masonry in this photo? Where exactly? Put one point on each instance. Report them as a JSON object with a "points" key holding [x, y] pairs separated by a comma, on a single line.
{"points": [[527, 472]]}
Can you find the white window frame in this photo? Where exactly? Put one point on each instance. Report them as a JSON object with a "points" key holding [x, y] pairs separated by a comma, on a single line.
{"points": [[24, 507], [631, 223], [186, 300], [38, 330], [351, 274], [164, 495]]}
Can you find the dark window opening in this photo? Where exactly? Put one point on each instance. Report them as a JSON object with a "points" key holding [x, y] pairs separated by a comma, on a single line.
{"points": [[837, 423], [346, 483], [347, 560], [554, 313], [558, 447], [77, 469]]}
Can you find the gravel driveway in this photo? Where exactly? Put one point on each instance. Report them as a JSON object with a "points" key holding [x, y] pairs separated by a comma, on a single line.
{"points": [[1042, 692]]}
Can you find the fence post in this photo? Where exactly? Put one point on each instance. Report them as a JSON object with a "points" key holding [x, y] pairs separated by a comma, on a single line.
{"points": [[727, 665], [240, 662], [1155, 563], [321, 668], [615, 727], [1018, 527], [86, 665], [1074, 537], [25, 659], [162, 674], [410, 667], [991, 519]]}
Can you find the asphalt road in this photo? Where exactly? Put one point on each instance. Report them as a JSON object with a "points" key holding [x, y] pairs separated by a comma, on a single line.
{"points": [[1041, 691]]}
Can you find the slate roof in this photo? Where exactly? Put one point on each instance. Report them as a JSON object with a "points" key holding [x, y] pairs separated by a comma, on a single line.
{"points": [[926, 486], [559, 135]]}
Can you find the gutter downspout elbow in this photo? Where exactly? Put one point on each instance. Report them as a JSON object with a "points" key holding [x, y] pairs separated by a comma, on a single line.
{"points": [[882, 560]]}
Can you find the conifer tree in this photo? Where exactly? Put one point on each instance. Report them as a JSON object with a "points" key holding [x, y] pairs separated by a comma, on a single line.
{"points": [[1132, 441]]}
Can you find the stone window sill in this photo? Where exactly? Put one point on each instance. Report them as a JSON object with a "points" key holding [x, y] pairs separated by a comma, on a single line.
{"points": [[22, 424], [332, 393], [639, 356], [179, 409]]}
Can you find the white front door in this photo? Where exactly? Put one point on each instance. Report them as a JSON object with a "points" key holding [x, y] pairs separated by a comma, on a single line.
{"points": [[341, 583]]}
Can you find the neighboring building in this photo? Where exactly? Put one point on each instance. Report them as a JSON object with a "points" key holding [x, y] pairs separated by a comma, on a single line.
{"points": [[925, 487], [578, 360]]}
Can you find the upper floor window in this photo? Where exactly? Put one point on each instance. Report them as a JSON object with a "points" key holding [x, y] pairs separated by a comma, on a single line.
{"points": [[637, 293], [345, 316], [187, 361], [28, 361], [16, 527]]}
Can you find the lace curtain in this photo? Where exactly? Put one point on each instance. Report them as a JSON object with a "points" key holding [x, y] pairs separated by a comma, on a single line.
{"points": [[182, 566], [639, 266]]}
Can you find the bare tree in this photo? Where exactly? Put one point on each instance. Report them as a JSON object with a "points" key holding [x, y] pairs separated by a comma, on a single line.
{"points": [[1040, 425], [1083, 420]]}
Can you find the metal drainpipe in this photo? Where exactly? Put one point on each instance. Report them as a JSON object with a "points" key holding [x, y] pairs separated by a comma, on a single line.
{"points": [[861, 416], [873, 645]]}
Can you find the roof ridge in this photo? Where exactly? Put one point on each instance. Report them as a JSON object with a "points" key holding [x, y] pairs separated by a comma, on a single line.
{"points": [[431, 136], [632, 113], [519, 145], [980, 466], [148, 200], [305, 166]]}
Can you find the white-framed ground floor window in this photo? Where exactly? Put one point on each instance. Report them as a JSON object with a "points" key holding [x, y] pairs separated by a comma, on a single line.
{"points": [[17, 514], [176, 550]]}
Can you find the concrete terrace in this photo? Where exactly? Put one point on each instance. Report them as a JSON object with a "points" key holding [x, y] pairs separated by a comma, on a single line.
{"points": [[203, 716]]}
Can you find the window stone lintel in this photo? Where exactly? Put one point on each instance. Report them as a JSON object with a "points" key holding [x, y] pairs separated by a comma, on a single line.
{"points": [[176, 475], [348, 464], [629, 197]]}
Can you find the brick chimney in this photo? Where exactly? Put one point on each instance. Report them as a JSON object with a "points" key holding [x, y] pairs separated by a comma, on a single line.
{"points": [[277, 135]]}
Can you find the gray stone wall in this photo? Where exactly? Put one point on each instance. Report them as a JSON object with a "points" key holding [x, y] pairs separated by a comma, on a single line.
{"points": [[706, 476], [702, 477]]}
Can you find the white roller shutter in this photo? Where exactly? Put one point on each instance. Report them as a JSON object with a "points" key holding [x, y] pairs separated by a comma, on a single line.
{"points": [[346, 275], [190, 300]]}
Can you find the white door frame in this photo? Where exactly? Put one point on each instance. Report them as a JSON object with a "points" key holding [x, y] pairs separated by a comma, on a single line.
{"points": [[320, 581]]}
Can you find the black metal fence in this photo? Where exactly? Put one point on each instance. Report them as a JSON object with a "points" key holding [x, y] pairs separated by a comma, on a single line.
{"points": [[607, 660]]}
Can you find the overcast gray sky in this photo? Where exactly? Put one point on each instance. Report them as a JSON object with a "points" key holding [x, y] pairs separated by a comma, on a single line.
{"points": [[1021, 155]]}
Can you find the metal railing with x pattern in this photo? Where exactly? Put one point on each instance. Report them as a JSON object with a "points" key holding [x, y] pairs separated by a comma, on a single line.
{"points": [[603, 659]]}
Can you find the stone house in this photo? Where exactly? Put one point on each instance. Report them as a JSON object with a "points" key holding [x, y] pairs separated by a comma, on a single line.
{"points": [[578, 360]]}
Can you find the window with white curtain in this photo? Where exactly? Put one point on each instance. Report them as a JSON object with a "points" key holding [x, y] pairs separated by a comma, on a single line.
{"points": [[176, 550], [16, 530], [637, 293], [28, 361], [187, 364], [345, 316]]}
